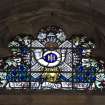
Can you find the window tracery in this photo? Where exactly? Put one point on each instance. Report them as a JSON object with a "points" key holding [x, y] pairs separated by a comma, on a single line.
{"points": [[52, 62]]}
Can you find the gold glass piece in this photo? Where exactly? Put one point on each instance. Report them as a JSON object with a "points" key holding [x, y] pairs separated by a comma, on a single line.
{"points": [[51, 74]]}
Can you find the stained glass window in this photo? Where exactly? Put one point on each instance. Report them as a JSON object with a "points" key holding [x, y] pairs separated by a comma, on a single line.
{"points": [[51, 61]]}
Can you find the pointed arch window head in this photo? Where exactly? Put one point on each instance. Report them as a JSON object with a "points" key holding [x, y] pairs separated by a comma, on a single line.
{"points": [[51, 61]]}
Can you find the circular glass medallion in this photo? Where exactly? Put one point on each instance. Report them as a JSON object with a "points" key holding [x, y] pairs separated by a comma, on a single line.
{"points": [[50, 57]]}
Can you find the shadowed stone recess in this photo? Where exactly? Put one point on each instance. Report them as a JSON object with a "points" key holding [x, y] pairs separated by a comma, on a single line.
{"points": [[75, 16]]}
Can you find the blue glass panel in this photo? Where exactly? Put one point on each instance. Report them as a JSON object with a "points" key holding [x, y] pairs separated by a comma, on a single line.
{"points": [[50, 58]]}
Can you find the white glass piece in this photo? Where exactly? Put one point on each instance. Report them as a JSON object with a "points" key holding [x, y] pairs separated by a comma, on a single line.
{"points": [[66, 84], [63, 51], [33, 61], [61, 36], [41, 35], [3, 79], [66, 44], [86, 62], [93, 63], [76, 43], [51, 37], [92, 87], [3, 82], [3, 75], [98, 85], [47, 85], [51, 34], [18, 85], [59, 59], [37, 44], [65, 67], [63, 55], [27, 41], [13, 43], [17, 60], [43, 62], [58, 42], [19, 38], [63, 58], [100, 76], [35, 75], [35, 85], [8, 86], [53, 64], [38, 54], [67, 75], [68, 58], [36, 67], [81, 86]]}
